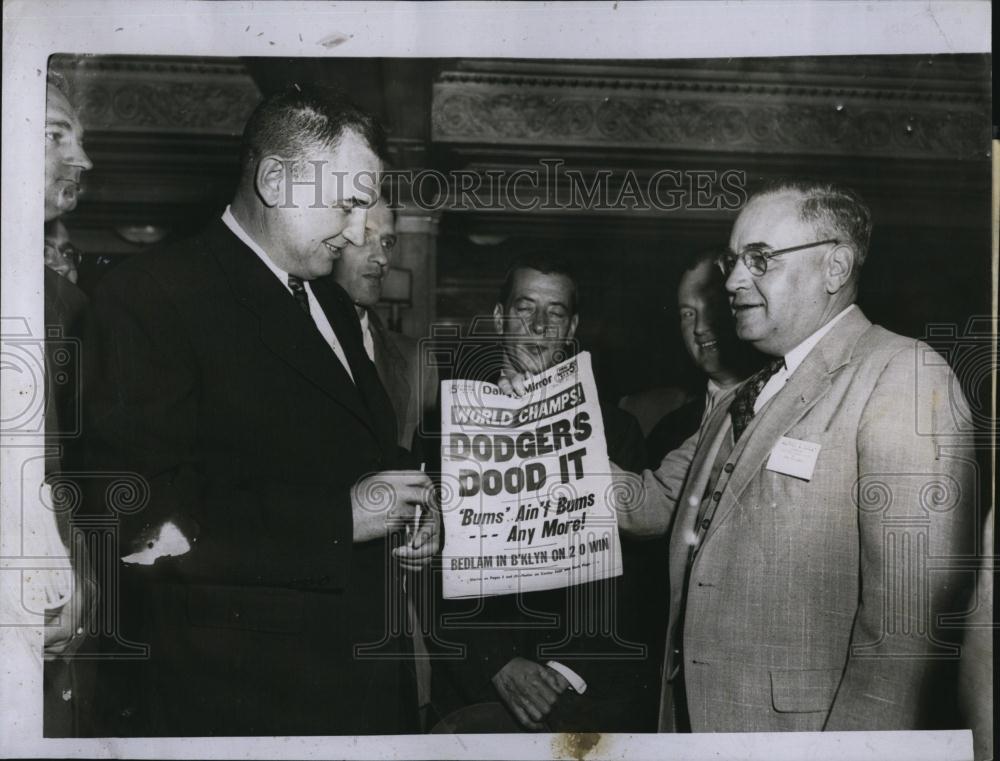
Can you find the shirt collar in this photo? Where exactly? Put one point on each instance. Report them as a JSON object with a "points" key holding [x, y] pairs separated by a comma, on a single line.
{"points": [[243, 235], [794, 358]]}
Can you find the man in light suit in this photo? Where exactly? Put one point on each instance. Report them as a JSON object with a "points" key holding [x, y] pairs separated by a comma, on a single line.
{"points": [[804, 516], [262, 563]]}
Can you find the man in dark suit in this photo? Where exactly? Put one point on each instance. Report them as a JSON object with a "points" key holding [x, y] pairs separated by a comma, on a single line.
{"points": [[539, 652], [65, 163], [67, 681], [261, 564]]}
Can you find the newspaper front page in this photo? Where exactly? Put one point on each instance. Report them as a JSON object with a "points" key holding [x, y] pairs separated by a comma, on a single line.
{"points": [[527, 485]]}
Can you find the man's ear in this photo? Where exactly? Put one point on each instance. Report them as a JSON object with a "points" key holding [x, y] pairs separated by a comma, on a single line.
{"points": [[498, 318], [269, 180], [839, 267], [574, 321]]}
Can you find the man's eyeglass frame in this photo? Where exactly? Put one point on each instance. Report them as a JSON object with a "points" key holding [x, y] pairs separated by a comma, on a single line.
{"points": [[755, 258]]}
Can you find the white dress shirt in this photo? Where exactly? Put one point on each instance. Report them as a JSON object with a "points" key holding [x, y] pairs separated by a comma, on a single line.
{"points": [[792, 360], [315, 311], [575, 680], [366, 335], [712, 394]]}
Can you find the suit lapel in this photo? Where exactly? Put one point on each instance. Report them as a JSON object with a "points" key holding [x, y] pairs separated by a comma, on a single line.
{"points": [[343, 316], [284, 329], [708, 446], [808, 384]]}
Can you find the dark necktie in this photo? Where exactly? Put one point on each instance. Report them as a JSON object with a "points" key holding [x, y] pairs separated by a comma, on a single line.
{"points": [[741, 410], [299, 292]]}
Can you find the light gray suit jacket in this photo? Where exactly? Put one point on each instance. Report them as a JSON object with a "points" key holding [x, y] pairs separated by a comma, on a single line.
{"points": [[811, 604]]}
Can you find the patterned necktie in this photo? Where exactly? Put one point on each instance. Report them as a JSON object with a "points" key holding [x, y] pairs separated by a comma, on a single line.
{"points": [[299, 292], [741, 410]]}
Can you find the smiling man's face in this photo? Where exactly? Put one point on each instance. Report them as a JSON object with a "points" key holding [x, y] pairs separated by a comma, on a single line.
{"points": [[779, 309], [538, 319], [65, 159], [705, 322], [60, 255], [361, 269], [312, 236]]}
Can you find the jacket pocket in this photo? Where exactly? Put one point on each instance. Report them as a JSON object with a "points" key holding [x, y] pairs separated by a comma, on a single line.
{"points": [[278, 611], [804, 690]]}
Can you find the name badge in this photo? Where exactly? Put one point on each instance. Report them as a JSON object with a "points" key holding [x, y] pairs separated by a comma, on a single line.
{"points": [[794, 457]]}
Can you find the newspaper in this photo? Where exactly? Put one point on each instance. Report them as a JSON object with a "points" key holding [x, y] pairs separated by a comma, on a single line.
{"points": [[528, 491]]}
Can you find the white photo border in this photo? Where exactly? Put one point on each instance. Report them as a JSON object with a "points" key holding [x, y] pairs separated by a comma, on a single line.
{"points": [[651, 30]]}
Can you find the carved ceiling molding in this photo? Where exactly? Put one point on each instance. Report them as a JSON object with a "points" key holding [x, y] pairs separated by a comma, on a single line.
{"points": [[716, 82], [125, 94], [703, 115]]}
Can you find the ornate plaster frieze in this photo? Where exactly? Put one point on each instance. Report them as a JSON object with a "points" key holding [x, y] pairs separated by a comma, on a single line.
{"points": [[132, 94], [749, 115]]}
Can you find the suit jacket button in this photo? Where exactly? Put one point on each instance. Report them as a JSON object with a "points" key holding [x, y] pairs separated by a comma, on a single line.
{"points": [[717, 496], [705, 524], [729, 467]]}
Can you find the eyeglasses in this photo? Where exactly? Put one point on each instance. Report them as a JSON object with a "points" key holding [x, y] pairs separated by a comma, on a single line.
{"points": [[755, 257]]}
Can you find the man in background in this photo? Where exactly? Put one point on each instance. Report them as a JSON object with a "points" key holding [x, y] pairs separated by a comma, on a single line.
{"points": [[65, 163], [709, 336], [262, 562], [67, 685], [411, 385], [361, 271], [596, 682], [536, 317]]}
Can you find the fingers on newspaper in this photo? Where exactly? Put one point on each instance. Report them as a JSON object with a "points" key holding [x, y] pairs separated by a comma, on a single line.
{"points": [[529, 506]]}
